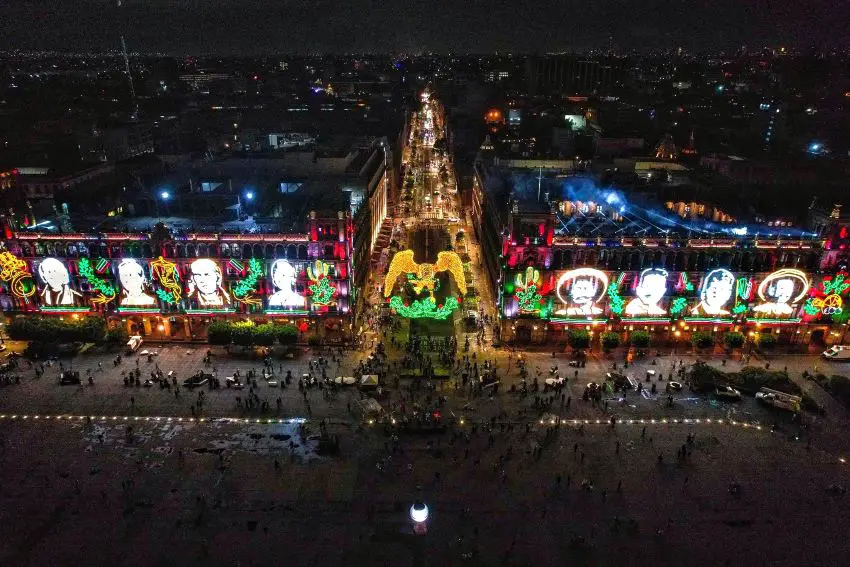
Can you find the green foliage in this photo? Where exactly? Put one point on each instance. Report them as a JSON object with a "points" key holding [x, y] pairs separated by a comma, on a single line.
{"points": [[579, 338], [219, 333], [733, 340], [287, 334], [314, 340], [766, 340], [702, 339], [751, 379], [704, 378], [838, 386], [640, 339], [242, 333], [610, 340], [264, 335], [50, 330], [117, 335]]}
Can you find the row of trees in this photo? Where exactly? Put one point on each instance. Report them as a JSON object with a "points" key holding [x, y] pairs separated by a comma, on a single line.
{"points": [[580, 339], [246, 334], [52, 330]]}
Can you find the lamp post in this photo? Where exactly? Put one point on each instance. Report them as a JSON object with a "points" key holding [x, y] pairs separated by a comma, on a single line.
{"points": [[419, 515]]}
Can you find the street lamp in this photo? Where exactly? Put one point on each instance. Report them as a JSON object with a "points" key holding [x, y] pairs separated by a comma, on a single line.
{"points": [[164, 195], [249, 195]]}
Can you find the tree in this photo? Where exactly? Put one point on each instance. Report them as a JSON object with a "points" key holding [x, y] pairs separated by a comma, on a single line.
{"points": [[264, 335], [702, 339], [579, 339], [766, 340], [243, 333], [640, 339], [610, 340], [287, 334], [220, 333], [117, 336], [733, 340], [89, 329]]}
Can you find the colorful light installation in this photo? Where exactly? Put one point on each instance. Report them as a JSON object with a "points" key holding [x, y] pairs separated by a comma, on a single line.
{"points": [[717, 290], [526, 291], [133, 282], [283, 275], [616, 301], [651, 287], [424, 274], [57, 283], [584, 287], [245, 288], [15, 272], [166, 274], [205, 284], [320, 288], [780, 292], [425, 308], [828, 301]]}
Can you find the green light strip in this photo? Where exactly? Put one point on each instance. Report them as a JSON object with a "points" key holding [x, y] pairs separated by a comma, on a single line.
{"points": [[68, 309]]}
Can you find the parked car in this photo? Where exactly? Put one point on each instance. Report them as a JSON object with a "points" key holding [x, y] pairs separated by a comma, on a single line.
{"points": [[727, 393], [198, 379], [837, 352], [69, 378]]}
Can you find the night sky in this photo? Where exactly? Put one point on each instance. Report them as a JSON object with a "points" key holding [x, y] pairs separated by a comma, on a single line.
{"points": [[304, 26]]}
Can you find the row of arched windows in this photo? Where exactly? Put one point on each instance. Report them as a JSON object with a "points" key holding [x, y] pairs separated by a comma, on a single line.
{"points": [[36, 249]]}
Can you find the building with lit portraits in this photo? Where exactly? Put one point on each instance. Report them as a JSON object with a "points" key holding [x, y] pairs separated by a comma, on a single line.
{"points": [[566, 251], [271, 240]]}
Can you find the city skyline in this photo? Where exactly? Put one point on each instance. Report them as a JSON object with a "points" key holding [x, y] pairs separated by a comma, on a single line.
{"points": [[296, 26]]}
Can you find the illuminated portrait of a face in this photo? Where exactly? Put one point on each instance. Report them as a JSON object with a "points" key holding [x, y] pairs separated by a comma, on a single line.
{"points": [[580, 290], [205, 284], [57, 283], [716, 292], [651, 287], [780, 292], [133, 283], [283, 278]]}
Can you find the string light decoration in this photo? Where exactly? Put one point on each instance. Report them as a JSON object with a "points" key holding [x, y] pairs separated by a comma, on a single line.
{"points": [[245, 288], [166, 274], [526, 290], [424, 274], [14, 271], [320, 288], [425, 308], [678, 305], [616, 303], [743, 294], [828, 301], [105, 291]]}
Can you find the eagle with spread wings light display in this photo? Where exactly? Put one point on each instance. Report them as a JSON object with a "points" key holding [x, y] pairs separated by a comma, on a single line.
{"points": [[423, 278], [424, 274]]}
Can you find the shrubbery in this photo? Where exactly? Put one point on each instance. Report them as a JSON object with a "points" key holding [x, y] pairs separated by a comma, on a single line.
{"points": [[640, 339], [733, 340], [702, 339], [766, 341], [838, 386], [51, 330], [610, 340], [246, 333], [579, 339], [704, 378]]}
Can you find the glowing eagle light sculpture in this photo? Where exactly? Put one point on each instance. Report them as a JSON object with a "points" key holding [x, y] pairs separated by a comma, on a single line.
{"points": [[424, 274]]}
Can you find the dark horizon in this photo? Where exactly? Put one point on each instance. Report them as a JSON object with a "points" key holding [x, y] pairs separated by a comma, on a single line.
{"points": [[261, 27]]}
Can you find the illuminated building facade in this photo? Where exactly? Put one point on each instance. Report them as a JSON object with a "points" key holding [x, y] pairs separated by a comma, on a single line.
{"points": [[173, 287], [595, 263]]}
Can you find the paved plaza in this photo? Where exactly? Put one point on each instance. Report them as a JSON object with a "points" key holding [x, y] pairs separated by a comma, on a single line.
{"points": [[222, 493]]}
